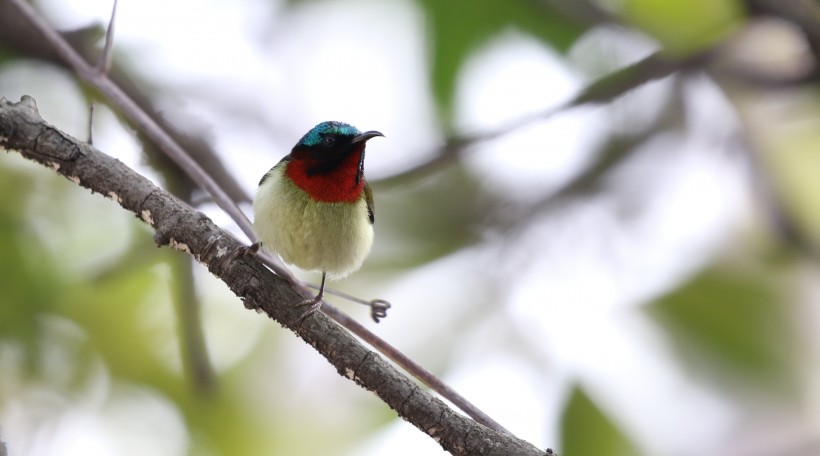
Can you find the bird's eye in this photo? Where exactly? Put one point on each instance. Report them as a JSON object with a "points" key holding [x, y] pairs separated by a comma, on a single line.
{"points": [[329, 141]]}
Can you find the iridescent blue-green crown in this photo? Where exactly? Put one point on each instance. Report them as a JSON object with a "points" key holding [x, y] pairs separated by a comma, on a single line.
{"points": [[315, 135]]}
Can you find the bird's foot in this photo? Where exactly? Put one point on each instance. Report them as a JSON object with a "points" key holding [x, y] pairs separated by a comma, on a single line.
{"points": [[315, 304], [246, 250]]}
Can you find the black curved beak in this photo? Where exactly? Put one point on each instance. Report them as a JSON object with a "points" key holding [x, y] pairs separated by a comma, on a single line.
{"points": [[362, 137]]}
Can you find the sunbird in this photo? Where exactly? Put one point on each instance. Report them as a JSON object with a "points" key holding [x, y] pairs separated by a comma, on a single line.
{"points": [[315, 209]]}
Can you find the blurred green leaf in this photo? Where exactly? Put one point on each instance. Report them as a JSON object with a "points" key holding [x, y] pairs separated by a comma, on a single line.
{"points": [[114, 314], [685, 27], [28, 280], [731, 319], [792, 159], [586, 431], [432, 218], [457, 28]]}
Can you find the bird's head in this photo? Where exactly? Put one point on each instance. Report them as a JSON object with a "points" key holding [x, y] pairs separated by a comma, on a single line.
{"points": [[329, 143], [330, 158]]}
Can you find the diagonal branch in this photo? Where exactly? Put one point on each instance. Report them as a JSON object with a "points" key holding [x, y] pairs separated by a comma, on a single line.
{"points": [[781, 219], [180, 227], [602, 90]]}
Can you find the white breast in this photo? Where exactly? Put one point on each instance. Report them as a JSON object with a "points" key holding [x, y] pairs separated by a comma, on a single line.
{"points": [[315, 236]]}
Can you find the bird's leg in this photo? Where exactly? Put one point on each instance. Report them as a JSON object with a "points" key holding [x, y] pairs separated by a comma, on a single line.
{"points": [[315, 303]]}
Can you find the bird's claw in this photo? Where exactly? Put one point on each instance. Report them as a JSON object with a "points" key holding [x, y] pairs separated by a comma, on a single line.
{"points": [[378, 309], [314, 303], [246, 250]]}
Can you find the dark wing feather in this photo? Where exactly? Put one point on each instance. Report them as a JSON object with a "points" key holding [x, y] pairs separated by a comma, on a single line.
{"points": [[284, 160], [368, 198]]}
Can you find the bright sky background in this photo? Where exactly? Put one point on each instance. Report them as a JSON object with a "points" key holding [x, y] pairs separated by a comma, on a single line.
{"points": [[579, 295]]}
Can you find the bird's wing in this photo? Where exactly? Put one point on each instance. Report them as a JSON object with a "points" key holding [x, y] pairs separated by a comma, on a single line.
{"points": [[368, 198], [282, 162]]}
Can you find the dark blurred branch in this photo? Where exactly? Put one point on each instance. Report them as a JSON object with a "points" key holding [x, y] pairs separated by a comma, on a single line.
{"points": [[582, 12], [780, 217], [769, 80], [602, 90], [611, 156], [656, 66], [179, 226], [197, 362]]}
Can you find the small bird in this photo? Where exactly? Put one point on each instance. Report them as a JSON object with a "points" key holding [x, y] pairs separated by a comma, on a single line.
{"points": [[314, 208]]}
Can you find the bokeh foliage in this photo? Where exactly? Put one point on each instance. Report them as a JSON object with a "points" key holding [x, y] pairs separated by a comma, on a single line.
{"points": [[85, 299]]}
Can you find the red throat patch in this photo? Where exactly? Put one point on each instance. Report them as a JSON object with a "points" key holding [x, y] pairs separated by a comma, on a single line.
{"points": [[336, 186]]}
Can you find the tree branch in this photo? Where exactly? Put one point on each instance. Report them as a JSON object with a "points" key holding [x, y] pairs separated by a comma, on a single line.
{"points": [[602, 90], [782, 220], [180, 227]]}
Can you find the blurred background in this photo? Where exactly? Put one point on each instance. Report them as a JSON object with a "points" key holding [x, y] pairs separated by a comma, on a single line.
{"points": [[597, 220]]}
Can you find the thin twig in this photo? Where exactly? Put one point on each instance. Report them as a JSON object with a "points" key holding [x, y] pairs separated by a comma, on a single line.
{"points": [[91, 122], [104, 64], [421, 374]]}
